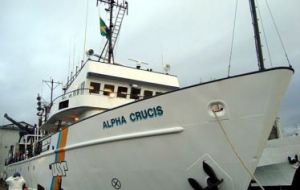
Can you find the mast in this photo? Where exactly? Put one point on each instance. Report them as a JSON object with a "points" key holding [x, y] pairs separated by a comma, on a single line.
{"points": [[52, 87], [113, 32], [259, 52], [45, 109], [110, 49]]}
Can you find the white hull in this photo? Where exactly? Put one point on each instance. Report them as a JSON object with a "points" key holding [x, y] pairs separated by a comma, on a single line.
{"points": [[163, 151]]}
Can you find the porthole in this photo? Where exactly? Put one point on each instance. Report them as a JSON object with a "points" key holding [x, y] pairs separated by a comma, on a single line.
{"points": [[216, 108]]}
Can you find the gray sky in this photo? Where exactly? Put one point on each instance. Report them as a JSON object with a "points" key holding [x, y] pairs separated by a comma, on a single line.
{"points": [[38, 38]]}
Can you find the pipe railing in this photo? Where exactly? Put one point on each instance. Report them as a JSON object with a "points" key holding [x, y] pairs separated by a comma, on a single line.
{"points": [[88, 91]]}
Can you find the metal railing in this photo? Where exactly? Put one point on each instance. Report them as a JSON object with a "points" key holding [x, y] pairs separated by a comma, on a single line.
{"points": [[88, 91]]}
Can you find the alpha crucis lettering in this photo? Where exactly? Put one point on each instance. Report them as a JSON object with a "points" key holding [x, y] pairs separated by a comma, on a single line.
{"points": [[145, 114]]}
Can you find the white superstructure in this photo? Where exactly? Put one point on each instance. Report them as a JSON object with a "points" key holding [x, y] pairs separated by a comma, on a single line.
{"points": [[97, 87]]}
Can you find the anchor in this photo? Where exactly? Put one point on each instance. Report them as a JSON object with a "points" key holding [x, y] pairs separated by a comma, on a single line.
{"points": [[212, 181]]}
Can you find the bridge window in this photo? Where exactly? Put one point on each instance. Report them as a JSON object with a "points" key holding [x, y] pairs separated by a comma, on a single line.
{"points": [[158, 93], [122, 92], [94, 87], [108, 89], [148, 94], [135, 93], [63, 104]]}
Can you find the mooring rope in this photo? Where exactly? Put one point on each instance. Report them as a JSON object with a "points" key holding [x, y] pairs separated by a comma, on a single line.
{"points": [[236, 153]]}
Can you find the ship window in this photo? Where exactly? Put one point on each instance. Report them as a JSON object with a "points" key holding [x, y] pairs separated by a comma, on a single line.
{"points": [[122, 92], [135, 92], [148, 94], [159, 93], [63, 104], [94, 87], [108, 89]]}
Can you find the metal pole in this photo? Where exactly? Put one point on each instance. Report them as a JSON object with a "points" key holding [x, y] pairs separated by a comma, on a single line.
{"points": [[257, 36], [51, 97], [110, 50]]}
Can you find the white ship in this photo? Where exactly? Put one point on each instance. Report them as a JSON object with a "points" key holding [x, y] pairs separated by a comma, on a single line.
{"points": [[117, 127]]}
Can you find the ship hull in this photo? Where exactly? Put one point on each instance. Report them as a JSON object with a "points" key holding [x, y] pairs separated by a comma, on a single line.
{"points": [[160, 142]]}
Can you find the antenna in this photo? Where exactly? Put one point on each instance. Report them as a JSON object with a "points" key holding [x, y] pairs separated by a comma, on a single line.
{"points": [[52, 85], [138, 62], [167, 68], [162, 59]]}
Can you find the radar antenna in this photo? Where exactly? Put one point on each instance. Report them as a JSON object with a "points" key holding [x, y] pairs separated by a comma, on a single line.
{"points": [[167, 68], [138, 62]]}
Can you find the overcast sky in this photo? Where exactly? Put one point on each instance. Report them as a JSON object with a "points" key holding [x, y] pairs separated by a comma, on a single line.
{"points": [[40, 40]]}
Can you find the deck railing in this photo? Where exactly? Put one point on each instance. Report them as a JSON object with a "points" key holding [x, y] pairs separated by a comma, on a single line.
{"points": [[88, 91]]}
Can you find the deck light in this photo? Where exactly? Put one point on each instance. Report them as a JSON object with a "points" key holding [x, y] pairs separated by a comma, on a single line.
{"points": [[112, 95]]}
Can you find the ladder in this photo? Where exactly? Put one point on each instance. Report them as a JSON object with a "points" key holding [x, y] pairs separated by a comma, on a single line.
{"points": [[115, 32]]}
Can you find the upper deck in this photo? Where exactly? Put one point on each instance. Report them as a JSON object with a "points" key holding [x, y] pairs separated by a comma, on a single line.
{"points": [[97, 87]]}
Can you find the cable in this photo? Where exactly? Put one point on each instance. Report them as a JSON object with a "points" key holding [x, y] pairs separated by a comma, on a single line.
{"points": [[232, 37], [236, 153], [277, 31]]}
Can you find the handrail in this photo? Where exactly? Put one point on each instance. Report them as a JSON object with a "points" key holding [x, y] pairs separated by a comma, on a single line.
{"points": [[72, 78], [83, 91], [71, 92]]}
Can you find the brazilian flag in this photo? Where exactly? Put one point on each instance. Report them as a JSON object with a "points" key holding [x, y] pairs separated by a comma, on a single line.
{"points": [[104, 30]]}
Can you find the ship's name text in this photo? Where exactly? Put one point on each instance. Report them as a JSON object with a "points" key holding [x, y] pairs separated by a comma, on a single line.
{"points": [[134, 117]]}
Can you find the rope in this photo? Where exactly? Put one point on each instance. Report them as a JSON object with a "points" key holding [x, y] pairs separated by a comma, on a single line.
{"points": [[277, 31], [232, 37], [265, 36], [236, 153]]}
